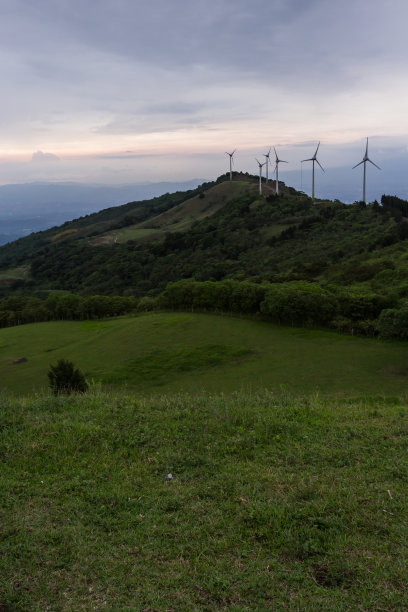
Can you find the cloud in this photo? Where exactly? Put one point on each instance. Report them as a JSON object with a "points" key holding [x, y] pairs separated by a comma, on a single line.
{"points": [[104, 76], [39, 156]]}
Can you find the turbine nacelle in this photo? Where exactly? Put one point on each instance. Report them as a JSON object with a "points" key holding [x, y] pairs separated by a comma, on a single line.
{"points": [[268, 154], [314, 158], [366, 159]]}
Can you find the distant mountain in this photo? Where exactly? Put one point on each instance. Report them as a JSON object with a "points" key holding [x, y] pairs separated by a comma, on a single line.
{"points": [[31, 207]]}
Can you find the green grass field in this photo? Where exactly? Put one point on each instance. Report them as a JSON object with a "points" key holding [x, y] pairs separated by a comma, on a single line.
{"points": [[186, 352], [275, 503]]}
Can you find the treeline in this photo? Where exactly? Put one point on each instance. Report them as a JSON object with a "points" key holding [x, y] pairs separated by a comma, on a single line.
{"points": [[395, 206], [17, 310], [298, 303]]}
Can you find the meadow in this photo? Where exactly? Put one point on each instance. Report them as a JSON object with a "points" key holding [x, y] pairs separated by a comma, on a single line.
{"points": [[275, 503], [163, 352], [216, 463]]}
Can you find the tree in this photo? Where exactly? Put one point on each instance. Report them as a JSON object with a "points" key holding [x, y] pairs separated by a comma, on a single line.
{"points": [[65, 378]]}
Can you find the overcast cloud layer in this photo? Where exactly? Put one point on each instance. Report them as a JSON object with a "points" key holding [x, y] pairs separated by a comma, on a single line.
{"points": [[123, 90]]}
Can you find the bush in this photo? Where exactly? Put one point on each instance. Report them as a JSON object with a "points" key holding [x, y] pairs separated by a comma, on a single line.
{"points": [[299, 303], [65, 378], [147, 304], [393, 324], [361, 306]]}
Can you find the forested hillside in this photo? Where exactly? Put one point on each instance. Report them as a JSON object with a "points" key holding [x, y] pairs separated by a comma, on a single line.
{"points": [[223, 231]]}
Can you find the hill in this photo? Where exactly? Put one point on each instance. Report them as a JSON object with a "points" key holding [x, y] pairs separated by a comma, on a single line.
{"points": [[173, 352], [222, 230]]}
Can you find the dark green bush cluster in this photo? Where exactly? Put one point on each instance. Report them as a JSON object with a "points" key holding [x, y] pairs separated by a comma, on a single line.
{"points": [[17, 310], [295, 303], [393, 323], [226, 296], [64, 377], [299, 303]]}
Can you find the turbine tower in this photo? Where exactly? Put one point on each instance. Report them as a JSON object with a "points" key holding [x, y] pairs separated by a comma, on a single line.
{"points": [[364, 161], [260, 174], [267, 161], [277, 162], [313, 160], [231, 161]]}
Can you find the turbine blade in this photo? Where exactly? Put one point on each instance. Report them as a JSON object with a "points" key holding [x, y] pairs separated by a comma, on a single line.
{"points": [[317, 161], [316, 150], [359, 164], [310, 159], [371, 162]]}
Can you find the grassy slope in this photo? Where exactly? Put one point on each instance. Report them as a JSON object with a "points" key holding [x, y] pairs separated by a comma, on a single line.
{"points": [[181, 217], [162, 352], [275, 504]]}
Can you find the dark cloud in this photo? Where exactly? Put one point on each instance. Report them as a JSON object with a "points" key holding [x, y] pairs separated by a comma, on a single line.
{"points": [[299, 41]]}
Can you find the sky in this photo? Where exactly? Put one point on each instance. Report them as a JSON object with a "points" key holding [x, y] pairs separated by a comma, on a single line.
{"points": [[124, 91]]}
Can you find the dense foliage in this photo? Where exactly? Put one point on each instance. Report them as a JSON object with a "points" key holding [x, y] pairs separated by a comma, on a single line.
{"points": [[296, 303], [16, 310], [301, 303]]}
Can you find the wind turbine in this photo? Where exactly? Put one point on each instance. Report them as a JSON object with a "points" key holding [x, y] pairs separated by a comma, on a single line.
{"points": [[364, 161], [231, 161], [313, 160], [277, 162], [267, 161], [260, 174]]}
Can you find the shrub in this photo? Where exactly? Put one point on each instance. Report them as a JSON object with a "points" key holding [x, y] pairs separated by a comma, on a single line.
{"points": [[393, 323], [147, 303], [65, 378], [299, 303], [361, 306]]}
